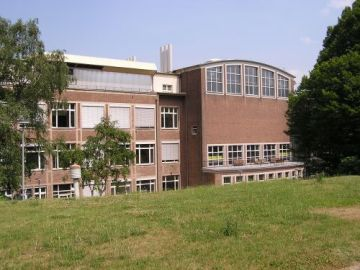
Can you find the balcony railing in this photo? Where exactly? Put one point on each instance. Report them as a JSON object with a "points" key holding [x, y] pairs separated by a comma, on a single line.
{"points": [[243, 162]]}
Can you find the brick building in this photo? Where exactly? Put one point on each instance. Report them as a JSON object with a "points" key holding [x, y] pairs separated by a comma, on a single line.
{"points": [[221, 122]]}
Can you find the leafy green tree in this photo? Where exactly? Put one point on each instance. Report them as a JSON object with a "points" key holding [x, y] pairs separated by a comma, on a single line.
{"points": [[324, 115], [104, 158], [28, 77]]}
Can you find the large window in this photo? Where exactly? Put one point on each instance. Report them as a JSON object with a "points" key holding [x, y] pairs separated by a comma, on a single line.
{"points": [[35, 157], [63, 191], [268, 83], [144, 154], [233, 79], [58, 159], [216, 155], [121, 115], [269, 151], [170, 152], [63, 116], [144, 117], [91, 115], [234, 153], [284, 151], [283, 86], [252, 153], [169, 117], [145, 185], [170, 182], [251, 81], [214, 80]]}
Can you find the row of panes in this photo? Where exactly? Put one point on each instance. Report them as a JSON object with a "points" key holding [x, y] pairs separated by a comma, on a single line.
{"points": [[229, 155], [234, 81], [35, 157], [235, 179], [63, 116]]}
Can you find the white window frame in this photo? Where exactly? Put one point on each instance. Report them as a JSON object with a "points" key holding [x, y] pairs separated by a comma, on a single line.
{"points": [[268, 154], [230, 160], [68, 110], [265, 85], [240, 83], [173, 112], [56, 158], [248, 160], [167, 87], [39, 152], [139, 184], [126, 185], [150, 146], [283, 150], [218, 161], [258, 82], [279, 75], [207, 80], [226, 176], [57, 193], [176, 181]]}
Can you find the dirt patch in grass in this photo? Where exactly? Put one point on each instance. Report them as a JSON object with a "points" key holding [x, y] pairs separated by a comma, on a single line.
{"points": [[348, 213], [353, 267]]}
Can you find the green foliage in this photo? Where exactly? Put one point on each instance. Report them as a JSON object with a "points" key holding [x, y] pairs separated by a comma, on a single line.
{"points": [[104, 157], [28, 76], [324, 115]]}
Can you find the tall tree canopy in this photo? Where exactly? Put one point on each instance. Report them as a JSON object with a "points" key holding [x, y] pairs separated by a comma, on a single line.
{"points": [[324, 115], [28, 77]]}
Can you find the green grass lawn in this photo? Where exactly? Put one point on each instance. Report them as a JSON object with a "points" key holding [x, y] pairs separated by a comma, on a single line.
{"points": [[267, 225]]}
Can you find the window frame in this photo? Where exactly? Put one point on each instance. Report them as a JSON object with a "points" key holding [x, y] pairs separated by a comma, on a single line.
{"points": [[144, 107], [266, 155], [91, 105], [170, 161], [248, 160], [278, 75], [282, 151], [151, 153], [219, 162], [262, 83], [174, 115], [258, 81], [120, 105], [152, 184], [176, 182], [41, 157], [69, 111], [222, 80], [56, 157], [241, 79], [231, 160]]}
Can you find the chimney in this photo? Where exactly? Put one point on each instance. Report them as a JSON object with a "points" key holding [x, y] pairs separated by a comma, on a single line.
{"points": [[166, 58]]}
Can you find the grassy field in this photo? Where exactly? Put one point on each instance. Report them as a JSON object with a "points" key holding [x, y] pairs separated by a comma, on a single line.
{"points": [[267, 225]]}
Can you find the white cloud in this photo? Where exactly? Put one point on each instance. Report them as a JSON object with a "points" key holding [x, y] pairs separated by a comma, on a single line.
{"points": [[335, 4], [306, 40]]}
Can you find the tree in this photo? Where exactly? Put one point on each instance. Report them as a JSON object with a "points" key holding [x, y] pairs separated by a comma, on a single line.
{"points": [[28, 77], [324, 115], [104, 157]]}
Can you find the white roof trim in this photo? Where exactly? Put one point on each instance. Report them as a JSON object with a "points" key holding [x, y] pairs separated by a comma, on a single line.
{"points": [[108, 62]]}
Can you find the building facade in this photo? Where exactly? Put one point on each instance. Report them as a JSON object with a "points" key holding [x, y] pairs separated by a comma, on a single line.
{"points": [[221, 122]]}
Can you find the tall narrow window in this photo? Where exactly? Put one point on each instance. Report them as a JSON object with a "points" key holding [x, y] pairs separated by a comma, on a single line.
{"points": [[34, 157], [170, 152], [268, 83], [145, 154], [214, 80], [234, 153], [58, 157], [63, 116], [252, 153], [170, 182], [216, 155], [284, 151], [121, 116], [169, 117], [91, 115], [269, 151], [283, 86], [233, 79], [144, 117], [251, 81]]}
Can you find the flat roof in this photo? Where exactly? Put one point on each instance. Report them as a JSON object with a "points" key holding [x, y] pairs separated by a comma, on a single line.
{"points": [[108, 62], [224, 61]]}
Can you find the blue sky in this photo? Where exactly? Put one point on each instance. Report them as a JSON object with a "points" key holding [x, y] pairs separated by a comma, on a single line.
{"points": [[287, 34]]}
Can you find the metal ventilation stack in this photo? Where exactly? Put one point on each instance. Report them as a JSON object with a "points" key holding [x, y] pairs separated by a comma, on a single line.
{"points": [[166, 58]]}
